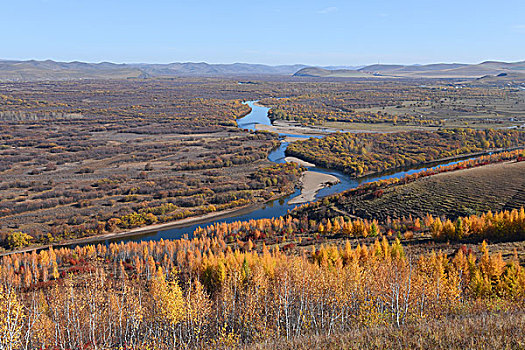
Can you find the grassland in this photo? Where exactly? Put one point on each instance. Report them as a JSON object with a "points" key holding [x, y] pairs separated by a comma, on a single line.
{"points": [[463, 111], [492, 187], [402, 105], [482, 331]]}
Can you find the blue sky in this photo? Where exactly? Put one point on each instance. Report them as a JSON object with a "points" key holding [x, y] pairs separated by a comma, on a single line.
{"points": [[273, 32]]}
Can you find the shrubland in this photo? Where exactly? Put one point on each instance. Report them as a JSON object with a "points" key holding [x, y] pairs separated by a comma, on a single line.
{"points": [[79, 159], [425, 104], [359, 154]]}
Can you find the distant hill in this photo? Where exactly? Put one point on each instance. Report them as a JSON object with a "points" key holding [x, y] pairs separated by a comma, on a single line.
{"points": [[202, 68], [380, 68], [51, 70], [513, 79], [331, 73], [446, 70], [439, 70]]}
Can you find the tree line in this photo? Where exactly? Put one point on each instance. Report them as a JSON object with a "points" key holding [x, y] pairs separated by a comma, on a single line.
{"points": [[359, 154], [202, 292]]}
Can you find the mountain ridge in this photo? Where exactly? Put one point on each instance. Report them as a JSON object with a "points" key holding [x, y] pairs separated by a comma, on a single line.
{"points": [[447, 70], [38, 70], [35, 70]]}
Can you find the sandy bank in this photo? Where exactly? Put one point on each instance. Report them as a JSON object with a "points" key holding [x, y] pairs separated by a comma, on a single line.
{"points": [[312, 182], [293, 138], [285, 128], [204, 219], [299, 161]]}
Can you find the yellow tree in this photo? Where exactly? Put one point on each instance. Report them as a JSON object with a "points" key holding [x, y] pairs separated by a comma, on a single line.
{"points": [[11, 319], [168, 297], [198, 310]]}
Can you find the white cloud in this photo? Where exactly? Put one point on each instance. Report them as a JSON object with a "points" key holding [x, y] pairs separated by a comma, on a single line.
{"points": [[328, 10], [520, 28]]}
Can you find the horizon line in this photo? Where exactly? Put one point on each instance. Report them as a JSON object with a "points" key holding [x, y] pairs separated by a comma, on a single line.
{"points": [[252, 63]]}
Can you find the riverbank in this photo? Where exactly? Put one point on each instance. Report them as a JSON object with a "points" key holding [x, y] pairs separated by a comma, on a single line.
{"points": [[459, 192], [419, 166], [290, 129], [204, 219], [440, 161], [316, 180], [299, 161], [312, 182]]}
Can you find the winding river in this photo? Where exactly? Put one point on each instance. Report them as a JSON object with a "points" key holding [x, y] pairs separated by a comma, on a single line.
{"points": [[279, 207]]}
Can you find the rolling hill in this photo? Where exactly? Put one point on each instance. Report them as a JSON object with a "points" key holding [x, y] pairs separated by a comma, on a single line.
{"points": [[444, 70], [331, 73], [51, 70], [513, 79], [439, 70]]}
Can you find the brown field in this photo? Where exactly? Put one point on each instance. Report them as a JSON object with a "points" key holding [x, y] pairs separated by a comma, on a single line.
{"points": [[85, 158], [465, 192], [464, 111], [484, 331]]}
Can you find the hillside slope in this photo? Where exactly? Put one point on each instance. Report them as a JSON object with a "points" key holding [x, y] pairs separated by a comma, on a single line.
{"points": [[335, 73], [51, 70], [453, 70]]}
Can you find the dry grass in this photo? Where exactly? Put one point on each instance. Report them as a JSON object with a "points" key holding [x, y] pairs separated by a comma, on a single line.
{"points": [[485, 331], [473, 191]]}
